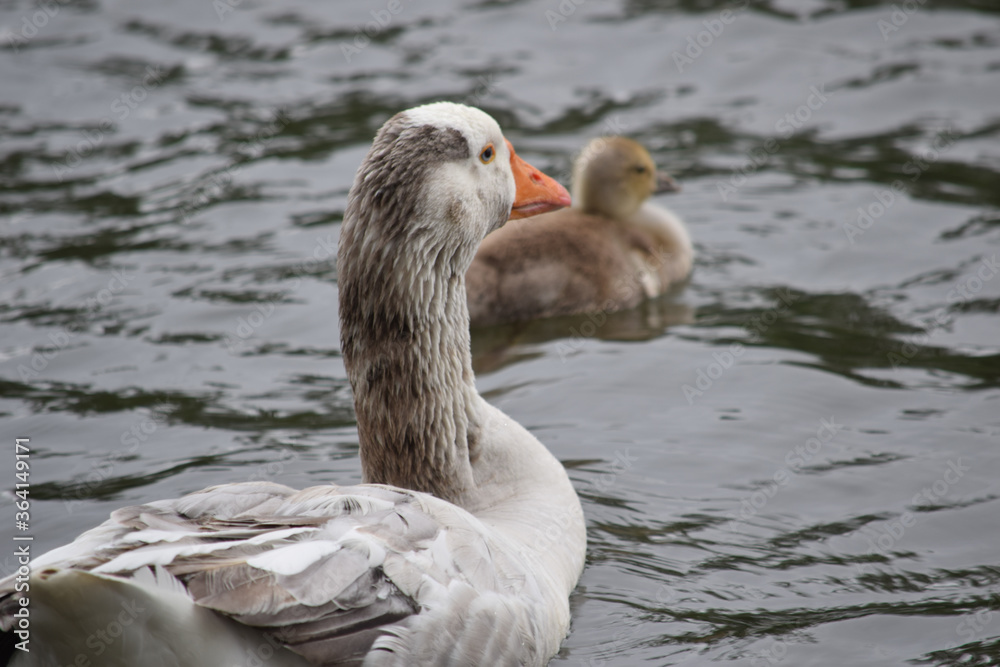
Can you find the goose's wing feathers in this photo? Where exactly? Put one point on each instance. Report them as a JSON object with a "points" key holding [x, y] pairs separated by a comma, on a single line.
{"points": [[330, 572]]}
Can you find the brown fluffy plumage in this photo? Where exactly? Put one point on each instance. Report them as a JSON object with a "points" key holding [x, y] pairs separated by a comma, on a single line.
{"points": [[608, 252]]}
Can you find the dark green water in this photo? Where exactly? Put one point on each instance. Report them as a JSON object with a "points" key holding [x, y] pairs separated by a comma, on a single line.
{"points": [[793, 462]]}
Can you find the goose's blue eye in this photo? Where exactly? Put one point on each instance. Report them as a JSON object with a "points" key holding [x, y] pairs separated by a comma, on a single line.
{"points": [[487, 154]]}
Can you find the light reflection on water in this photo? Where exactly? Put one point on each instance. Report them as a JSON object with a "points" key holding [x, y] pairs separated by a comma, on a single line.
{"points": [[173, 179]]}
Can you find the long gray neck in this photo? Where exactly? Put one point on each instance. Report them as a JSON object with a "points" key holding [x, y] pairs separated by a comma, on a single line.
{"points": [[405, 341]]}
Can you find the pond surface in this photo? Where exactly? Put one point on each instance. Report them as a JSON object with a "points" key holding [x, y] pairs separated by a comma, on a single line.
{"points": [[793, 461]]}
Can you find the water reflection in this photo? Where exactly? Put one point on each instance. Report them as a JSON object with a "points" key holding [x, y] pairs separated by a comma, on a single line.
{"points": [[169, 279]]}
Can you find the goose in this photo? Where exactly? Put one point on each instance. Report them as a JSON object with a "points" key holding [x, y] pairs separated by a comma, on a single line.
{"points": [[608, 252], [463, 542]]}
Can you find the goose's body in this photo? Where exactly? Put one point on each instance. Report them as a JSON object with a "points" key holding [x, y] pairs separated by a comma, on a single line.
{"points": [[467, 560], [608, 252]]}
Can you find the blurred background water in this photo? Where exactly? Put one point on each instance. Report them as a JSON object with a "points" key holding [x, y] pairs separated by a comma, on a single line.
{"points": [[794, 461]]}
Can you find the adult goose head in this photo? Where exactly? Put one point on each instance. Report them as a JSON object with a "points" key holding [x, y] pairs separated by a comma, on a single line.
{"points": [[438, 179], [463, 550]]}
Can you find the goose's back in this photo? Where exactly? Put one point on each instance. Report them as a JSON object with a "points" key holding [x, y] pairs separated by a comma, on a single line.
{"points": [[325, 576]]}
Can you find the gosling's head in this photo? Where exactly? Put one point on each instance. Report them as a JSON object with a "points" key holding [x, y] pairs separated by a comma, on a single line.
{"points": [[613, 176]]}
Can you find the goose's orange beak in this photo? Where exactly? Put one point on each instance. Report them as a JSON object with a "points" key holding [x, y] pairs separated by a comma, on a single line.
{"points": [[536, 192]]}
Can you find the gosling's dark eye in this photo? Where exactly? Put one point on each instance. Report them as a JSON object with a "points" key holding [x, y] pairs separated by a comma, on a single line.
{"points": [[487, 154], [640, 169]]}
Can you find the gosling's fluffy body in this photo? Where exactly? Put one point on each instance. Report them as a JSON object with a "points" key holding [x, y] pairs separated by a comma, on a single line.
{"points": [[608, 252]]}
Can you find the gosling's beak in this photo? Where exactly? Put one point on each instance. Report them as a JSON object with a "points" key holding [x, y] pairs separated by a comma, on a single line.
{"points": [[536, 192], [665, 184]]}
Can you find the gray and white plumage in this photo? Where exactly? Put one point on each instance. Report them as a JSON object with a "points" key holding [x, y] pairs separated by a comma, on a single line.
{"points": [[334, 573], [468, 560]]}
